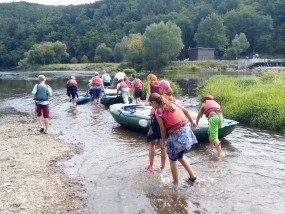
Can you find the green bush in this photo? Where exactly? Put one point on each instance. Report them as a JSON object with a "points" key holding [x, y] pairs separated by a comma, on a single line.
{"points": [[257, 101], [129, 71]]}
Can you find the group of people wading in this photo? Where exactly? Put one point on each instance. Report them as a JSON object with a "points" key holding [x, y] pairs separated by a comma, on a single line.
{"points": [[172, 124]]}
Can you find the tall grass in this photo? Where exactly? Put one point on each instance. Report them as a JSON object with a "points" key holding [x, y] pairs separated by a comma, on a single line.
{"points": [[258, 101]]}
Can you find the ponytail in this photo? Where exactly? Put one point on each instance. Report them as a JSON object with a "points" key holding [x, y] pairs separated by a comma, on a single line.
{"points": [[161, 100]]}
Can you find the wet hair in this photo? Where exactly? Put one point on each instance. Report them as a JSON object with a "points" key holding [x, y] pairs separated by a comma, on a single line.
{"points": [[41, 78], [160, 100], [151, 77]]}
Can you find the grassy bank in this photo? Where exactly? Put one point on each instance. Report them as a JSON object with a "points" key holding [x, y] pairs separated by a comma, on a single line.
{"points": [[258, 101], [77, 67], [181, 66]]}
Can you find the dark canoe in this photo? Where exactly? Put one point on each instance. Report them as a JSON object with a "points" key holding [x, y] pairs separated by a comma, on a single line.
{"points": [[110, 99], [137, 117], [82, 99]]}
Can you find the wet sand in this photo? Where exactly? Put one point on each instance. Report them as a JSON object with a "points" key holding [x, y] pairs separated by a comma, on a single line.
{"points": [[31, 175]]}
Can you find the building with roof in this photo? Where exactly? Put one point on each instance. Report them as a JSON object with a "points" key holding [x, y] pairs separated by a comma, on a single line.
{"points": [[201, 53]]}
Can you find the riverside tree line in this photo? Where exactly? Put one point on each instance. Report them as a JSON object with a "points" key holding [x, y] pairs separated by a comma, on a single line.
{"points": [[142, 33]]}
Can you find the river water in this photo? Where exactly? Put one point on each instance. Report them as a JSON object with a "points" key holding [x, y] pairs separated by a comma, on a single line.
{"points": [[250, 178]]}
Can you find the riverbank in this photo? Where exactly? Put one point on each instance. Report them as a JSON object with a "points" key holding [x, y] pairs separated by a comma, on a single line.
{"points": [[31, 178]]}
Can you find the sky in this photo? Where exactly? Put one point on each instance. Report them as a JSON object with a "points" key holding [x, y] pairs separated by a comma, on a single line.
{"points": [[53, 2]]}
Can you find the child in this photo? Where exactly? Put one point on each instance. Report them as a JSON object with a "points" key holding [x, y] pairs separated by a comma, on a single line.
{"points": [[71, 87], [153, 134], [137, 88], [152, 87], [172, 121], [41, 93], [213, 112], [125, 90]]}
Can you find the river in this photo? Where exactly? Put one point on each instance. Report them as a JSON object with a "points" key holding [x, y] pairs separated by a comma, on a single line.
{"points": [[250, 178]]}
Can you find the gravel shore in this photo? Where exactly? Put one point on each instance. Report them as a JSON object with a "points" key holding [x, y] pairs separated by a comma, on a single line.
{"points": [[31, 176]]}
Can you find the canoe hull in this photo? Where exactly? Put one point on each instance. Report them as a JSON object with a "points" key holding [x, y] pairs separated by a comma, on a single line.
{"points": [[82, 99], [137, 118], [110, 99]]}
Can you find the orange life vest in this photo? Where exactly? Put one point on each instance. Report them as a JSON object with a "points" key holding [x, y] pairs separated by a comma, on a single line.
{"points": [[72, 82], [138, 84], [175, 119], [123, 85], [211, 105], [96, 81], [128, 83]]}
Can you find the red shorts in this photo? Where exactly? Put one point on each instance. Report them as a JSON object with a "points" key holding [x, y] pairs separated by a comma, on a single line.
{"points": [[42, 110]]}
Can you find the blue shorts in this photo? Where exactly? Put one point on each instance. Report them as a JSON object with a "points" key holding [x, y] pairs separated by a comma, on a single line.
{"points": [[179, 155], [96, 92], [138, 93]]}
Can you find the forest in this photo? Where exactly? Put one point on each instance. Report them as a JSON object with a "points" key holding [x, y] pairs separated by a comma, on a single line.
{"points": [[81, 29]]}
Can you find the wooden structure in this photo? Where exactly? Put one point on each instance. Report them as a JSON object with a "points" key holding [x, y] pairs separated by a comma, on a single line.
{"points": [[201, 53]]}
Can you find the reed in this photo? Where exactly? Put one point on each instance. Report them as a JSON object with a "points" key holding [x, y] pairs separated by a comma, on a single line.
{"points": [[257, 101]]}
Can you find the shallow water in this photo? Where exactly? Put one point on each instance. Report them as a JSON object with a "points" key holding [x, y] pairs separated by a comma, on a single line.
{"points": [[249, 179]]}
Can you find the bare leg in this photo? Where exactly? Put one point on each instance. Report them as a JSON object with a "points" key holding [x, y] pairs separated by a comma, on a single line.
{"points": [[217, 144], [188, 167], [151, 153], [40, 122], [163, 157], [46, 124], [174, 171]]}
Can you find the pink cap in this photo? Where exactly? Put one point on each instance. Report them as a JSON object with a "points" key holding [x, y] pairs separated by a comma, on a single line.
{"points": [[164, 84]]}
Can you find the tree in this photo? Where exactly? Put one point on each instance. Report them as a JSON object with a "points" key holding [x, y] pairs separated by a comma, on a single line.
{"points": [[118, 55], [45, 53], [84, 59], [239, 45], [74, 60], [161, 43], [103, 53], [211, 33], [250, 22], [134, 52]]}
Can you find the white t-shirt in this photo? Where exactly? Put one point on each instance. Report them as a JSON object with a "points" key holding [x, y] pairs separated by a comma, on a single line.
{"points": [[120, 75]]}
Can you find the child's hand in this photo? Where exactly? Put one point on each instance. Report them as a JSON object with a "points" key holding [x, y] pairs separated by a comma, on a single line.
{"points": [[193, 126]]}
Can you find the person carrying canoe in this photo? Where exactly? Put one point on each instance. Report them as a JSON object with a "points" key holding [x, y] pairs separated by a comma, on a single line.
{"points": [[176, 133], [124, 89], [71, 87], [213, 112], [96, 87]]}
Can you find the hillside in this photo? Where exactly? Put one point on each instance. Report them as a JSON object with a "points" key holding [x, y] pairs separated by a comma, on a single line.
{"points": [[82, 28]]}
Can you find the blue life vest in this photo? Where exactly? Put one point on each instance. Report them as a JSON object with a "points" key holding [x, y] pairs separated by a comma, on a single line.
{"points": [[42, 93]]}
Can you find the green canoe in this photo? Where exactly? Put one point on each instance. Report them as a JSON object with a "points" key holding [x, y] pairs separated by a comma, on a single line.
{"points": [[137, 117], [111, 98]]}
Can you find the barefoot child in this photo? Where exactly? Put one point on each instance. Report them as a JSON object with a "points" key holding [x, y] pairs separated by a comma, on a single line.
{"points": [[172, 121], [213, 112]]}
